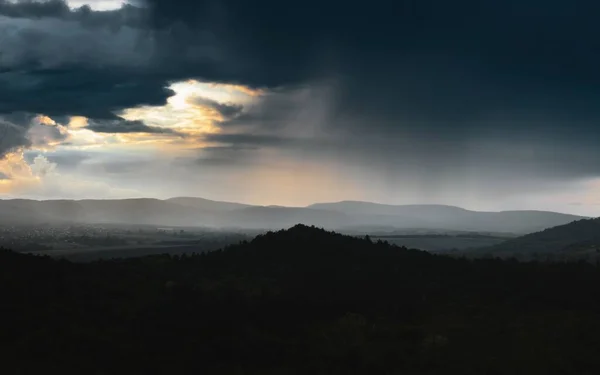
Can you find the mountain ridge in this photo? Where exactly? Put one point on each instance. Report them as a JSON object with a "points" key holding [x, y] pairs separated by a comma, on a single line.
{"points": [[192, 211], [580, 238]]}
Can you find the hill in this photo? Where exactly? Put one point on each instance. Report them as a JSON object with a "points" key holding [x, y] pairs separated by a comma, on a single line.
{"points": [[299, 301], [579, 239], [185, 211], [207, 204], [450, 217]]}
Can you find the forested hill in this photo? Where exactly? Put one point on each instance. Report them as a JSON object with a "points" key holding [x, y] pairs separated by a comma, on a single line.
{"points": [[577, 240], [299, 301]]}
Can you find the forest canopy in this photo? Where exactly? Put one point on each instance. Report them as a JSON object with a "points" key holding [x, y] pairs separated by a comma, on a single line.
{"points": [[299, 301]]}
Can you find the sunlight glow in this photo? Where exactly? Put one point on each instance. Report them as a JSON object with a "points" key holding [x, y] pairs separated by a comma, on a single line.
{"points": [[77, 122], [19, 173], [187, 117], [42, 119]]}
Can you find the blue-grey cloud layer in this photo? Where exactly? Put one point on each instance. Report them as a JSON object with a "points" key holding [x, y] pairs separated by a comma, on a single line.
{"points": [[419, 81]]}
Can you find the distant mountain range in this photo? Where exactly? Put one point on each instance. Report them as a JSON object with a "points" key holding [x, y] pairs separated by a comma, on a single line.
{"points": [[187, 211]]}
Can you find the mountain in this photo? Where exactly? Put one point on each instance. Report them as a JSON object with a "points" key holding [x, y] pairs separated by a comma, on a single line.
{"points": [[368, 208], [578, 239], [449, 217], [357, 216], [207, 204]]}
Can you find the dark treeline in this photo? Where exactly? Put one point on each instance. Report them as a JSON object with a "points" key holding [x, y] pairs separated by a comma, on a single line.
{"points": [[301, 301]]}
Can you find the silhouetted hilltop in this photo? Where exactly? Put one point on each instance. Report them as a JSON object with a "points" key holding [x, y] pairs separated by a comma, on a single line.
{"points": [[298, 301], [307, 241], [577, 239]]}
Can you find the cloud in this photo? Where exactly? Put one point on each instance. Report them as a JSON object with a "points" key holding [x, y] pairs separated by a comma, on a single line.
{"points": [[225, 110], [45, 132], [12, 135], [246, 139], [63, 158], [40, 179], [33, 9], [59, 61], [23, 130], [398, 70], [476, 98], [32, 36], [221, 157], [125, 126], [84, 91]]}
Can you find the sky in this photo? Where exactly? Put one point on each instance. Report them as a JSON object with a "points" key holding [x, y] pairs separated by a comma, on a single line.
{"points": [[484, 104]]}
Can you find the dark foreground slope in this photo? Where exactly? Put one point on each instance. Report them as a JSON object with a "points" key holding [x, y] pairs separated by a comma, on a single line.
{"points": [[577, 240], [301, 301]]}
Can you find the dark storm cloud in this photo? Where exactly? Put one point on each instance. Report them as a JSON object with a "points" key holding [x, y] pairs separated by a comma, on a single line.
{"points": [[126, 16], [13, 132], [248, 141], [431, 60], [274, 109], [22, 130], [61, 62], [284, 38], [227, 110], [241, 139], [451, 70], [433, 63], [124, 126], [32, 9], [435, 76], [3, 176], [58, 61], [78, 91], [230, 155]]}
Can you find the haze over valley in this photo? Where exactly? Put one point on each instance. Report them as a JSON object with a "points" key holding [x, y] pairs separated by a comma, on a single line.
{"points": [[92, 229]]}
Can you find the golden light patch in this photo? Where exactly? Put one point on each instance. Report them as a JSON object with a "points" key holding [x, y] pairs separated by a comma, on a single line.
{"points": [[183, 114], [186, 92], [19, 173], [188, 119], [78, 122], [5, 186], [232, 89], [86, 139], [220, 92], [45, 120], [142, 138], [592, 192], [290, 182]]}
